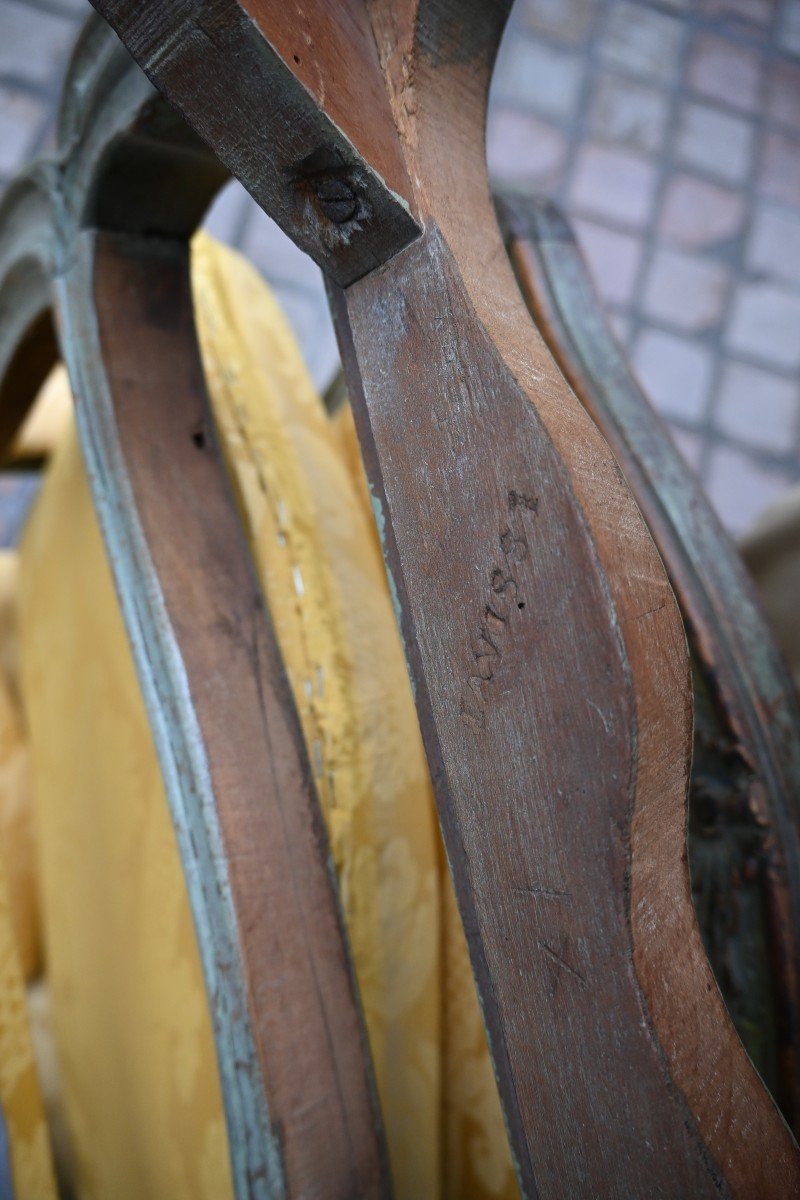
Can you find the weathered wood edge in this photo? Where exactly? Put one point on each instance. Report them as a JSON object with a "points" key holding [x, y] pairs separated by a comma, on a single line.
{"points": [[316, 1068], [40, 269], [505, 946], [727, 630], [255, 1154], [444, 62], [7, 1190]]}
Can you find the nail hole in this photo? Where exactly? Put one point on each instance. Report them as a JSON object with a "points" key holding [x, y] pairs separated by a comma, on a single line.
{"points": [[521, 604], [199, 438], [295, 57]]}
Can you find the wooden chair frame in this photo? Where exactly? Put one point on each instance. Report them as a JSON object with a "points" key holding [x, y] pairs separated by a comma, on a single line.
{"points": [[747, 717], [544, 642]]}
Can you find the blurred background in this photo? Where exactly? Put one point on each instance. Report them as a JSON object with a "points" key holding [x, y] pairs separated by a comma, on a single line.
{"points": [[668, 131]]}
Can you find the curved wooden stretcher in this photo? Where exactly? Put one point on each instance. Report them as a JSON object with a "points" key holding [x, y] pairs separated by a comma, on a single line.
{"points": [[543, 638]]}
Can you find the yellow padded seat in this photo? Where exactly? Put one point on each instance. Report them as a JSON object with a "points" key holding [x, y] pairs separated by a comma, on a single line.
{"points": [[136, 1057]]}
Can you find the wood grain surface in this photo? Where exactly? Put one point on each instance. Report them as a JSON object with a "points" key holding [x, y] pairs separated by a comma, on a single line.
{"points": [[559, 734], [292, 1053], [749, 710]]}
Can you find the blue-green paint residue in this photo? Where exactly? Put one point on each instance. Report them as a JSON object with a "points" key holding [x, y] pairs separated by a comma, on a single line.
{"points": [[6, 1176], [380, 523], [256, 1166]]}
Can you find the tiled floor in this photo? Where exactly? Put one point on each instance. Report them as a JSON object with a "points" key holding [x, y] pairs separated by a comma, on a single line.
{"points": [[670, 132]]}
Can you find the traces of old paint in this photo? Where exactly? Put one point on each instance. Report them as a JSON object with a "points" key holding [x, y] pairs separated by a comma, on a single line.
{"points": [[256, 1163], [6, 1174], [380, 523]]}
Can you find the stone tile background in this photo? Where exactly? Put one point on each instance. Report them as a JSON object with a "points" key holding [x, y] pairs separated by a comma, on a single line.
{"points": [[670, 133]]}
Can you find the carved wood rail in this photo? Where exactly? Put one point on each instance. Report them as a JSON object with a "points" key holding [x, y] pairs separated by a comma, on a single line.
{"points": [[545, 646], [746, 769]]}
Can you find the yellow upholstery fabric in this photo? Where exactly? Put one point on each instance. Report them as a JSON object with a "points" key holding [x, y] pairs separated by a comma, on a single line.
{"points": [[139, 1079], [16, 815], [20, 1098], [47, 422]]}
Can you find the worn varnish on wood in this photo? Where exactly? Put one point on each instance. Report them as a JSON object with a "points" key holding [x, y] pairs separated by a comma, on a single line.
{"points": [[244, 775], [746, 774], [544, 641]]}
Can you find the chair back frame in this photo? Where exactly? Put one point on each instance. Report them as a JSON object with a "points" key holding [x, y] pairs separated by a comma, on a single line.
{"points": [[544, 643]]}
